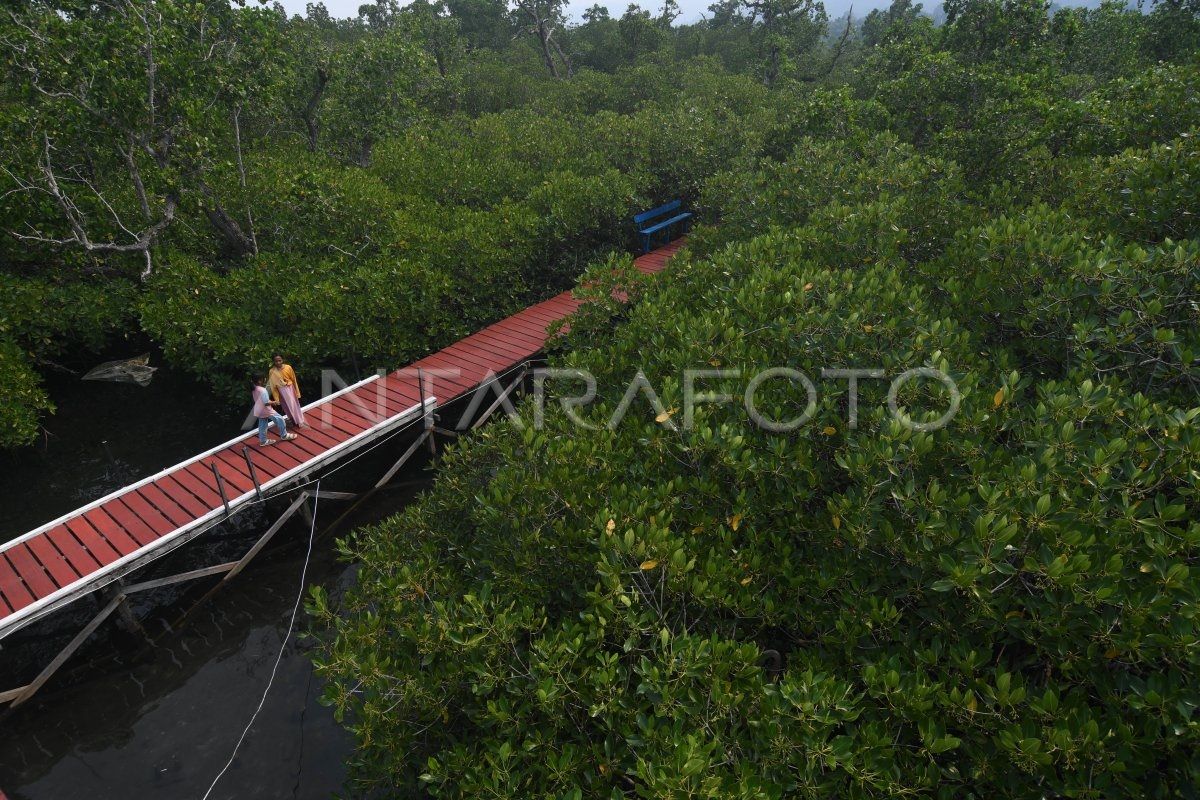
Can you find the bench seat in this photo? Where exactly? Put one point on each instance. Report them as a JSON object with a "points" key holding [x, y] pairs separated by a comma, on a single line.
{"points": [[647, 217], [666, 223]]}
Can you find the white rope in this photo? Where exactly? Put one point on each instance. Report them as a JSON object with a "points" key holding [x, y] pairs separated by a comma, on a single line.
{"points": [[282, 648]]}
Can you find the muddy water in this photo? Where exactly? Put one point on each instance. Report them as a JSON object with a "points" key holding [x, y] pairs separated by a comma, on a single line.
{"points": [[133, 720]]}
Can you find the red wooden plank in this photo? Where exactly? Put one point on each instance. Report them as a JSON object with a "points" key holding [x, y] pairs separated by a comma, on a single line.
{"points": [[331, 425], [134, 525], [371, 405], [396, 397], [100, 548], [267, 467], [332, 417], [11, 586], [306, 445], [236, 484], [536, 320], [232, 464], [172, 508], [437, 384], [324, 439], [198, 481], [516, 333], [560, 303], [403, 388], [363, 408], [112, 530], [5, 608], [159, 522], [288, 453], [182, 497], [468, 354], [31, 571], [466, 372], [532, 323], [547, 315], [348, 418], [81, 559], [498, 348], [276, 460], [498, 344], [54, 561], [520, 336]]}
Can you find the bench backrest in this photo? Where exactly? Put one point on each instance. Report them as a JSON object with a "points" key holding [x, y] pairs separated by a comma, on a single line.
{"points": [[661, 211]]}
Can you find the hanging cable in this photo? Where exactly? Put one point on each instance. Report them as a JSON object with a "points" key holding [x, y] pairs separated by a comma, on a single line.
{"points": [[282, 647]]}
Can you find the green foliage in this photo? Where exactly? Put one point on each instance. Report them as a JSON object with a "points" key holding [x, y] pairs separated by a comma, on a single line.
{"points": [[1001, 608], [1142, 194], [46, 316], [921, 194], [1070, 303], [24, 399], [948, 612]]}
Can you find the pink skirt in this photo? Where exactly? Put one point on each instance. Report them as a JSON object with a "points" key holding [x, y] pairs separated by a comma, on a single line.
{"points": [[291, 406]]}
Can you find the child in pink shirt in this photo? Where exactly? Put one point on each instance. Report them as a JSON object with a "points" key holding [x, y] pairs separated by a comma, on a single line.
{"points": [[265, 411]]}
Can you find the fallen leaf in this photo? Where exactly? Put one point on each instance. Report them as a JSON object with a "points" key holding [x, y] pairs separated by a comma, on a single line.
{"points": [[807, 286], [735, 521], [666, 415], [611, 526], [837, 523], [998, 398], [746, 580], [868, 328], [651, 564], [829, 430]]}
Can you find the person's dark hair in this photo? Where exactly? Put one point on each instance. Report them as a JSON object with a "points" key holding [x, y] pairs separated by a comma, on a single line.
{"points": [[255, 380], [276, 355]]}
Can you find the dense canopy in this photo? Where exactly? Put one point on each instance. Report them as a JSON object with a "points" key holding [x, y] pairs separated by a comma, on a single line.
{"points": [[1002, 607]]}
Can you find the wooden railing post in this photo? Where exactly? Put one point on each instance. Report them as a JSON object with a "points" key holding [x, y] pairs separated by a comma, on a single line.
{"points": [[253, 473], [220, 486]]}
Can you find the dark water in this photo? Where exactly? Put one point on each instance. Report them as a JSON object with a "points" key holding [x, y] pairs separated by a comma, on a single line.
{"points": [[104, 436], [126, 719]]}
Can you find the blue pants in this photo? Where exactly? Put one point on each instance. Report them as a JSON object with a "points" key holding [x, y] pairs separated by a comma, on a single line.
{"points": [[262, 427]]}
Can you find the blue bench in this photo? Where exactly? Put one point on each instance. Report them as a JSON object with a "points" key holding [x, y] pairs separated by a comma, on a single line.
{"points": [[648, 227]]}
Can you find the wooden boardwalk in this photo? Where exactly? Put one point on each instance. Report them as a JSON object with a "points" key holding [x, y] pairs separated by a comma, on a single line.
{"points": [[109, 538]]}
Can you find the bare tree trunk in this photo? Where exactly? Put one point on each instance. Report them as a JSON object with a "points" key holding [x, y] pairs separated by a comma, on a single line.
{"points": [[365, 147], [566, 61], [309, 114], [772, 70], [237, 139], [236, 242], [547, 55]]}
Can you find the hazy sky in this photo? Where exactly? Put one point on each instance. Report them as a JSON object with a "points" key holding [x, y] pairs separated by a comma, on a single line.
{"points": [[692, 9]]}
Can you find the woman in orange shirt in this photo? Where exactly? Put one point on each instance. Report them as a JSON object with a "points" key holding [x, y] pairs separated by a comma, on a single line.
{"points": [[281, 380]]}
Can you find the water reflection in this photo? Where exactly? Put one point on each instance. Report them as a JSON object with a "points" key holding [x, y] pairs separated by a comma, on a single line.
{"points": [[163, 723]]}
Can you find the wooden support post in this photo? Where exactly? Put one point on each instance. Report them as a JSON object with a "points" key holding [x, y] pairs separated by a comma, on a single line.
{"points": [[266, 537], [220, 486], [128, 619], [324, 494], [426, 414], [387, 476], [306, 511], [253, 473], [191, 575], [19, 696], [499, 400]]}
